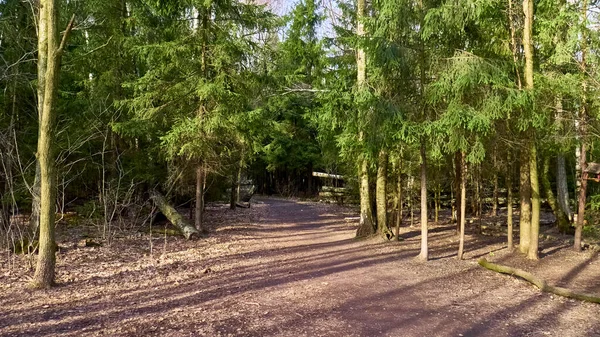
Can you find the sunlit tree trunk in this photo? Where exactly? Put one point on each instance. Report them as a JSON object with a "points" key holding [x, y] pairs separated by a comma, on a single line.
{"points": [[44, 273], [582, 138], [535, 205], [530, 203], [525, 202], [42, 44], [366, 224], [495, 180], [424, 254], [463, 205]]}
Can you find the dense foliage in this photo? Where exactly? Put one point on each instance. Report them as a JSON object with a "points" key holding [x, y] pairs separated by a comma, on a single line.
{"points": [[151, 92]]}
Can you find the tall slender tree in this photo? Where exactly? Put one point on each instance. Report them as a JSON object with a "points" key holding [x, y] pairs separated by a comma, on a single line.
{"points": [[44, 272]]}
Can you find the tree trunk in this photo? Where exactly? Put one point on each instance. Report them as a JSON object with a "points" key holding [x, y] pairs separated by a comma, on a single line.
{"points": [[381, 195], [562, 187], [582, 196], [42, 43], [457, 181], [411, 181], [44, 272], [529, 199], [366, 224], [188, 231], [535, 204], [437, 204], [525, 203], [199, 213], [232, 195], [424, 254], [399, 198], [495, 192], [582, 138], [509, 204], [463, 204], [561, 218], [238, 186]]}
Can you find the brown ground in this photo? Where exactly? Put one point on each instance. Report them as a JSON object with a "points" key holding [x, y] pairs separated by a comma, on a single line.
{"points": [[289, 268]]}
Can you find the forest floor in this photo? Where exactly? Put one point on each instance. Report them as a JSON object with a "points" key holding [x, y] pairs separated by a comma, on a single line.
{"points": [[293, 268]]}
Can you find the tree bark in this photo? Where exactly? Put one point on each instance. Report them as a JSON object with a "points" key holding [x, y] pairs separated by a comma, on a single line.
{"points": [[381, 195], [561, 218], [495, 179], [399, 198], [366, 224], [188, 231], [539, 283], [232, 195], [457, 181], [463, 205], [424, 254], [535, 204], [509, 204], [44, 272], [581, 197], [529, 198], [42, 43], [525, 202], [582, 138], [199, 212], [562, 187]]}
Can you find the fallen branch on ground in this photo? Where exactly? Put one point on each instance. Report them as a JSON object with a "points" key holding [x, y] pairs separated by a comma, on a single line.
{"points": [[187, 229], [538, 282]]}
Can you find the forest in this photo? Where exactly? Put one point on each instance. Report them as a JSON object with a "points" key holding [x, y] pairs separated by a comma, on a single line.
{"points": [[169, 119]]}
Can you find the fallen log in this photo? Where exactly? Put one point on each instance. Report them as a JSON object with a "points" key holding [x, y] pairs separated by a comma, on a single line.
{"points": [[538, 282], [187, 229]]}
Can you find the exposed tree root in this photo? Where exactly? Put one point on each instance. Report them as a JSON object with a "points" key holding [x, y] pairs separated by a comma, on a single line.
{"points": [[538, 282]]}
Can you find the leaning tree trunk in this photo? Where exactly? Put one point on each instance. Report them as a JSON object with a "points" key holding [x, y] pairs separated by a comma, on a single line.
{"points": [[381, 195], [188, 230], [424, 254], [561, 218], [44, 272], [463, 205]]}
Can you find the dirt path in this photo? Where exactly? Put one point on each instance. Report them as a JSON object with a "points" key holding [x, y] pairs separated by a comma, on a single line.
{"points": [[287, 268]]}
